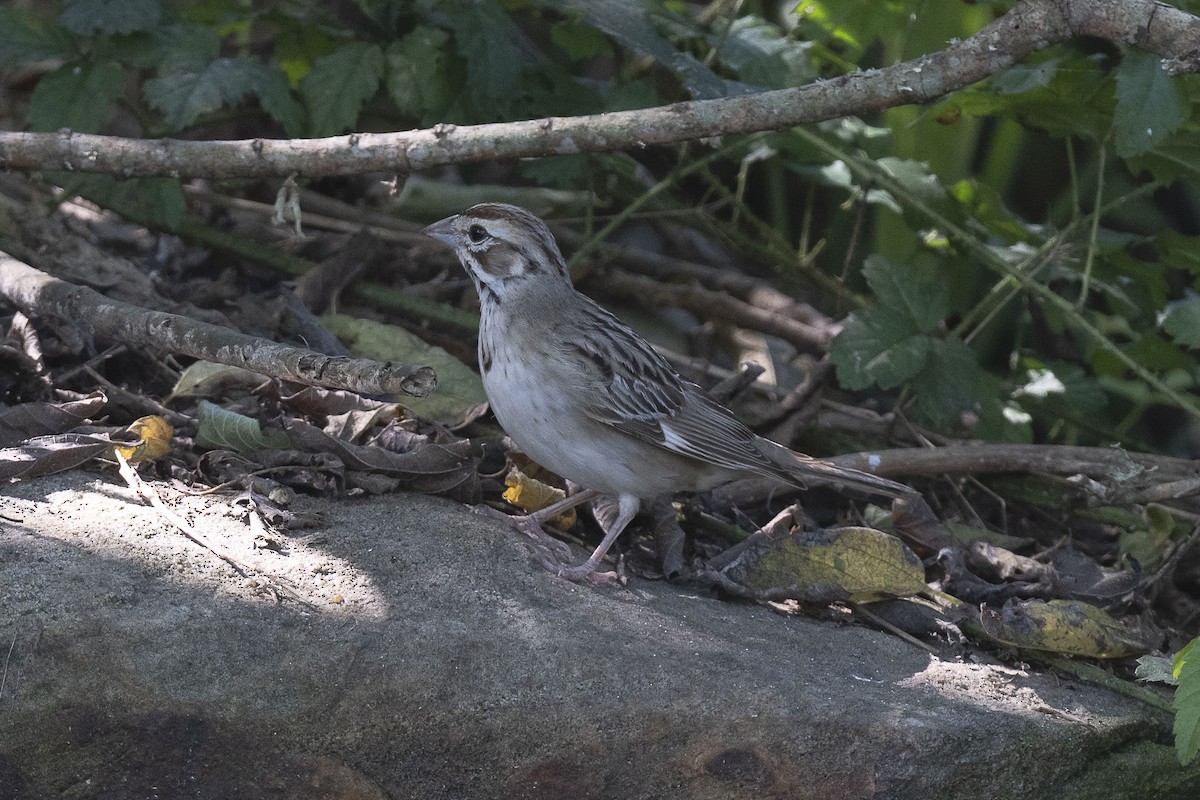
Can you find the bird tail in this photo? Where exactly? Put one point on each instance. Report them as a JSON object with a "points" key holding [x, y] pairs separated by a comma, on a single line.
{"points": [[804, 471]]}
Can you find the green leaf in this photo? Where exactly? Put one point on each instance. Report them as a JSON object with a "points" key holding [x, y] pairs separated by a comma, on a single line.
{"points": [[163, 200], [75, 96], [556, 170], [1179, 251], [487, 40], [459, 387], [228, 430], [1150, 105], [878, 347], [1077, 102], [336, 87], [27, 37], [1021, 78], [1155, 353], [1178, 158], [1187, 702], [762, 55], [1182, 321], [160, 199], [86, 17], [953, 387], [185, 96], [889, 344], [1189, 651], [178, 48], [916, 177], [416, 73], [579, 40], [276, 97], [914, 291], [632, 25], [628, 96], [550, 91]]}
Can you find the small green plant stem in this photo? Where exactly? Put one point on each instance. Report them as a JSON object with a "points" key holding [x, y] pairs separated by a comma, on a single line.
{"points": [[1086, 278], [867, 171]]}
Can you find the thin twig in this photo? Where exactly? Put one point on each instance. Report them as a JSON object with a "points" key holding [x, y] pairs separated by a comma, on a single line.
{"points": [[189, 531]]}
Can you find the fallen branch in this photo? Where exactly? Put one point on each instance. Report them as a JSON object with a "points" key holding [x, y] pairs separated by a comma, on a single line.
{"points": [[988, 459], [39, 294], [1123, 476], [1029, 27], [718, 305]]}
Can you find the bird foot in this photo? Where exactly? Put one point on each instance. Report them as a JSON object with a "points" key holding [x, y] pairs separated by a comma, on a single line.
{"points": [[585, 573], [544, 541], [555, 555]]}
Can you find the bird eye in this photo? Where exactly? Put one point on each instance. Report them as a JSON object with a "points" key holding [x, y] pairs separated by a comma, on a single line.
{"points": [[476, 234]]}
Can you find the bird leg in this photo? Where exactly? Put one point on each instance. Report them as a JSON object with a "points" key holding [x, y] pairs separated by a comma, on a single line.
{"points": [[628, 506]]}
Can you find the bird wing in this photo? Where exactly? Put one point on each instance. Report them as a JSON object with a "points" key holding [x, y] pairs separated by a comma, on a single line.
{"points": [[625, 383], [628, 385]]}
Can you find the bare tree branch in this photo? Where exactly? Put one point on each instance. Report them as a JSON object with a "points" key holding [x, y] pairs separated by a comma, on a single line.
{"points": [[37, 293], [1031, 26]]}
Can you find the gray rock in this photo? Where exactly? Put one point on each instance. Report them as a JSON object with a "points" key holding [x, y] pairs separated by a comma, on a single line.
{"points": [[433, 661]]}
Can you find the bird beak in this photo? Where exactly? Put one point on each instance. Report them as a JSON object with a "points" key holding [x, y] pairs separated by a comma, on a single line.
{"points": [[442, 230]]}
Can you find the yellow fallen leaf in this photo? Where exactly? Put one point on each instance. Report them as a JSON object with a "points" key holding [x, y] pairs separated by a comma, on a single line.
{"points": [[154, 435], [532, 495]]}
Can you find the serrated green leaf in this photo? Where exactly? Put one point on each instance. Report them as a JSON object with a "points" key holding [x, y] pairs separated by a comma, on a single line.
{"points": [[1077, 102], [276, 97], [416, 73], [1187, 702], [1182, 321], [1178, 158], [916, 177], [177, 48], [986, 206], [24, 36], [228, 430], [335, 89], [952, 384], [75, 96], [1187, 652], [86, 17], [184, 96], [761, 55], [1150, 105], [487, 40], [1179, 251], [914, 291], [878, 347], [633, 26]]}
